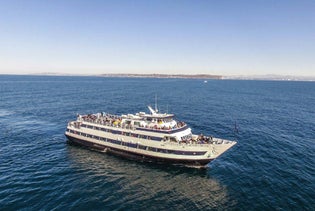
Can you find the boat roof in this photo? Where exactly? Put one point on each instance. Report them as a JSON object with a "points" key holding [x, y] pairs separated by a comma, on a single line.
{"points": [[159, 116]]}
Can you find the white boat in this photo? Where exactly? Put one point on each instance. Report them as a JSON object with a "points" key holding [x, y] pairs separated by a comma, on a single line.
{"points": [[156, 137]]}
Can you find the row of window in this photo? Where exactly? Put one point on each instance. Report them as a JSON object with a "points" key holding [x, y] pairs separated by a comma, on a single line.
{"points": [[122, 133], [138, 146]]}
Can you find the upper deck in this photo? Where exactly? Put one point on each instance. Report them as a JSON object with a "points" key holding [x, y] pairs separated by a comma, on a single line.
{"points": [[162, 123]]}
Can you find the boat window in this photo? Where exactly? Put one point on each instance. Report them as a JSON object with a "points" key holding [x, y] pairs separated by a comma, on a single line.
{"points": [[142, 147], [173, 139], [187, 137]]}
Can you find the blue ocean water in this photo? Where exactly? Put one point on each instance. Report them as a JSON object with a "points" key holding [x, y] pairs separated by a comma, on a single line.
{"points": [[271, 167]]}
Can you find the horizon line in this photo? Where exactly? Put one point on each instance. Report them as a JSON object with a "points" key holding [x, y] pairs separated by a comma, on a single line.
{"points": [[270, 77]]}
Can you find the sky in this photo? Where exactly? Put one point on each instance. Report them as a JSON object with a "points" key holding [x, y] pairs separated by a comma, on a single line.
{"points": [[220, 37]]}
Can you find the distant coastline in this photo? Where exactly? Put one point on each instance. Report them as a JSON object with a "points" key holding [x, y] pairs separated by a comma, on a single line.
{"points": [[269, 77], [196, 76], [217, 77]]}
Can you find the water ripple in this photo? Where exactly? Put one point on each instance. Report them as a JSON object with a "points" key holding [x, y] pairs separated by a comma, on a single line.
{"points": [[271, 167]]}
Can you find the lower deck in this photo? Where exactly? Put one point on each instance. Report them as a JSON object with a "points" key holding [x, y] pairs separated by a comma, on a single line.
{"points": [[136, 155]]}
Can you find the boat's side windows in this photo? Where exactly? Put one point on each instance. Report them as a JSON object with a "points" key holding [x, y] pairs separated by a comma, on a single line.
{"points": [[173, 139], [142, 147]]}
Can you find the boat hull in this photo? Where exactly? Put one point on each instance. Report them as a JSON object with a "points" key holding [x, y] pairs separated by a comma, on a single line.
{"points": [[200, 163]]}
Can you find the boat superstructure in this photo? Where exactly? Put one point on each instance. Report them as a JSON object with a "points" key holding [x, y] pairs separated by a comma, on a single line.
{"points": [[154, 137]]}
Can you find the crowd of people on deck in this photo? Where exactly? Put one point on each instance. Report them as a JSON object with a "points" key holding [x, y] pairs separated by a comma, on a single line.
{"points": [[103, 119], [117, 121], [201, 139]]}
